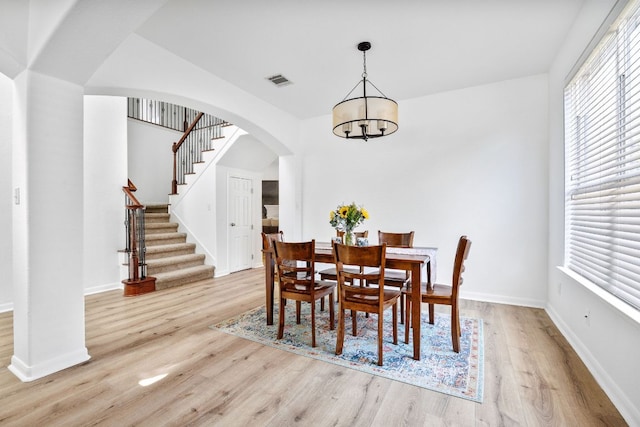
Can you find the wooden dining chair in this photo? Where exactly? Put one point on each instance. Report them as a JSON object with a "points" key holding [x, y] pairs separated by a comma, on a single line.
{"points": [[330, 273], [398, 278], [267, 244], [396, 240], [269, 238], [355, 296], [442, 294], [296, 269]]}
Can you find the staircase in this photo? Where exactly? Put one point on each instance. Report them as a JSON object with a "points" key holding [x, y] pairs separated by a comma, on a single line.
{"points": [[170, 259]]}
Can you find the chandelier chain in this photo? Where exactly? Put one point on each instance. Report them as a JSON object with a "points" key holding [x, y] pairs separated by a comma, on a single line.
{"points": [[364, 64]]}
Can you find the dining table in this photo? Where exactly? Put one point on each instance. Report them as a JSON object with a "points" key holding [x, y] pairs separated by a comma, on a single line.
{"points": [[409, 259]]}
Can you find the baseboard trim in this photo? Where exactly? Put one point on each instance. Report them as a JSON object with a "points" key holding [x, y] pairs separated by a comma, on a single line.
{"points": [[28, 373], [104, 288], [220, 273], [629, 412], [502, 299], [89, 291]]}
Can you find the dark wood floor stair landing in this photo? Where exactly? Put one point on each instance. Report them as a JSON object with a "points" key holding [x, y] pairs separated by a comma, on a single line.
{"points": [[170, 259]]}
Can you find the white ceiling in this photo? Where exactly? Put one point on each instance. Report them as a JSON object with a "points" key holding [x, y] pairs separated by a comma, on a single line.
{"points": [[419, 47]]}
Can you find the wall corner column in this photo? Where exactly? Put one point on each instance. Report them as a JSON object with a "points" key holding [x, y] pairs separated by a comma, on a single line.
{"points": [[47, 225]]}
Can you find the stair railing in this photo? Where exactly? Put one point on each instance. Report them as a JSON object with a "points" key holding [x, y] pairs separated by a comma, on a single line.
{"points": [[196, 139], [186, 155], [136, 249]]}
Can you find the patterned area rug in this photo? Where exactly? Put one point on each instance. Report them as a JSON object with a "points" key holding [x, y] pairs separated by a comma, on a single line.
{"points": [[440, 368]]}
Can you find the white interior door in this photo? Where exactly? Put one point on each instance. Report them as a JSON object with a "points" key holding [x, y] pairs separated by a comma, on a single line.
{"points": [[239, 223]]}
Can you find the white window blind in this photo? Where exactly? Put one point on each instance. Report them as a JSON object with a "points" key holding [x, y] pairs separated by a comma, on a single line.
{"points": [[602, 162]]}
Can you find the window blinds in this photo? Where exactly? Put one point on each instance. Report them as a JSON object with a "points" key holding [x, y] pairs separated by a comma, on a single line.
{"points": [[602, 162]]}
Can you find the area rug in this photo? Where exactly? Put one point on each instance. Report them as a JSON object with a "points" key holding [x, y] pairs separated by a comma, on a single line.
{"points": [[440, 368]]}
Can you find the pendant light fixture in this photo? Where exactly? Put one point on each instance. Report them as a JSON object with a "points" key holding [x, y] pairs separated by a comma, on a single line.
{"points": [[366, 116]]}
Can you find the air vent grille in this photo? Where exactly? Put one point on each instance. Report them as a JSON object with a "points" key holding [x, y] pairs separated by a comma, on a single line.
{"points": [[279, 80]]}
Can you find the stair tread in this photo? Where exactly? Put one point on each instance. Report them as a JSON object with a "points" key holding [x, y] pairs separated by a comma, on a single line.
{"points": [[168, 251], [164, 236], [168, 235], [160, 225], [175, 259], [168, 247], [156, 209], [183, 272]]}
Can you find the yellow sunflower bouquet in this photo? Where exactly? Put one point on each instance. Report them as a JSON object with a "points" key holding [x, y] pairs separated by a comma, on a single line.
{"points": [[348, 217]]}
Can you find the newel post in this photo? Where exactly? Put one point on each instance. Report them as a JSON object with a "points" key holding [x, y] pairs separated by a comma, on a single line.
{"points": [[174, 182]]}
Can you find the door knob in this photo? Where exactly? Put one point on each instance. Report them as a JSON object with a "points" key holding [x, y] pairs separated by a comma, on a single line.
{"points": [[233, 224]]}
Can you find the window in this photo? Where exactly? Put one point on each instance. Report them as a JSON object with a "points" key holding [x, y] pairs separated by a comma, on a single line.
{"points": [[602, 162]]}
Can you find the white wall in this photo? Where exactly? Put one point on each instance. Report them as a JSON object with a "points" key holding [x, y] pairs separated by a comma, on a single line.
{"points": [[6, 193], [248, 153], [105, 173], [605, 334], [151, 160], [271, 173], [195, 210], [471, 161]]}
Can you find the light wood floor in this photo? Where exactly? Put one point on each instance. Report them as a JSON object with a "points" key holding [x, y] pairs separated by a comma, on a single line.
{"points": [[532, 376]]}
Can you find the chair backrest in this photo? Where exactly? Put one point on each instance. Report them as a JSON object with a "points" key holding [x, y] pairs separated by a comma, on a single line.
{"points": [[351, 281], [396, 240], [464, 244], [296, 265], [268, 239]]}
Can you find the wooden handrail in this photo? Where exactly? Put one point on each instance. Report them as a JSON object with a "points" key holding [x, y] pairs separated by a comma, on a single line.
{"points": [[128, 190], [175, 147]]}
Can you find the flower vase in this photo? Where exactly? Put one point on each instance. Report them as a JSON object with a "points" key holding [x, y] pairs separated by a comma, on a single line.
{"points": [[349, 238]]}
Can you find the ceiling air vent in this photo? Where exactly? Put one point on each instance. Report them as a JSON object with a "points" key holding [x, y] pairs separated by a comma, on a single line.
{"points": [[279, 80]]}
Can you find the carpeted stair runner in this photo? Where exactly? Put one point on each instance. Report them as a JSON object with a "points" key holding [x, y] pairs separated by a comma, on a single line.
{"points": [[170, 259]]}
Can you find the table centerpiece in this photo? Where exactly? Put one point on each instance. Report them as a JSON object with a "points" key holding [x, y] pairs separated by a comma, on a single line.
{"points": [[346, 218]]}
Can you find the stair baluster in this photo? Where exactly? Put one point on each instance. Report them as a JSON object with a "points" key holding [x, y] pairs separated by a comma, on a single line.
{"points": [[138, 282]]}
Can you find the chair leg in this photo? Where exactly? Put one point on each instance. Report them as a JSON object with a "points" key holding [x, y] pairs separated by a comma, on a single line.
{"points": [[455, 328], [340, 334], [313, 323], [407, 319], [380, 320], [354, 323], [298, 304], [395, 323], [322, 304], [402, 316], [331, 312], [281, 318], [432, 314]]}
